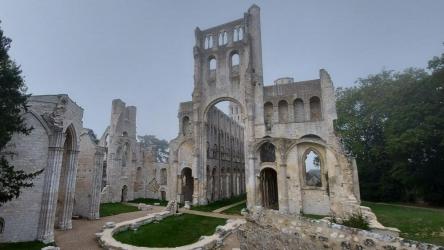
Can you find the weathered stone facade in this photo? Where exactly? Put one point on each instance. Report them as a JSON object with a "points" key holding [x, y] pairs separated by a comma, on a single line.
{"points": [[268, 229], [225, 165], [294, 162], [130, 170], [53, 146], [89, 177]]}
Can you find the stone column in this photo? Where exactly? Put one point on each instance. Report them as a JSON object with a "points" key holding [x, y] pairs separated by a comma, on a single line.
{"points": [[179, 189], [283, 187], [94, 206], [65, 222], [50, 188]]}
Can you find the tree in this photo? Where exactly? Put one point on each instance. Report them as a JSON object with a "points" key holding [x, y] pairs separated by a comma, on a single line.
{"points": [[13, 102], [160, 146], [393, 122]]}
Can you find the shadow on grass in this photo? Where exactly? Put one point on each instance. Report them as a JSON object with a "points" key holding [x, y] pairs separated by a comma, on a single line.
{"points": [[29, 245]]}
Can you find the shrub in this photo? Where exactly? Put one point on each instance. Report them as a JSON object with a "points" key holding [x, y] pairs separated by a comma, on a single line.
{"points": [[355, 220]]}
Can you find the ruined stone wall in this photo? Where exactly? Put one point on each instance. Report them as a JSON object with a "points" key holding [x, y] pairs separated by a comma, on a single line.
{"points": [[273, 230], [225, 156], [30, 153], [89, 177], [52, 146], [121, 153]]}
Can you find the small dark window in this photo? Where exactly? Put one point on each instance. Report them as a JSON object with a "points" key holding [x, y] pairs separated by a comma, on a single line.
{"points": [[267, 152], [2, 225]]}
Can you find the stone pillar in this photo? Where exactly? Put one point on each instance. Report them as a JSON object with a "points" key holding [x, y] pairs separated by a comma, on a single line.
{"points": [[65, 222], [196, 191], [251, 186], [283, 188], [94, 206], [50, 188], [179, 189]]}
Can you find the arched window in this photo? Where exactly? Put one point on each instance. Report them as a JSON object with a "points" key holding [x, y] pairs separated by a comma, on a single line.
{"points": [[221, 39], [299, 113], [315, 109], [268, 115], [212, 64], [267, 152], [125, 153], [186, 128], [241, 33], [163, 176], [235, 35], [225, 37], [235, 59], [2, 225], [207, 42], [312, 167], [283, 111]]}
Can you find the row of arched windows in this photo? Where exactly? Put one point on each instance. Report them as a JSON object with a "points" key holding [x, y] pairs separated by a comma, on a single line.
{"points": [[298, 110], [234, 63], [238, 35], [312, 164]]}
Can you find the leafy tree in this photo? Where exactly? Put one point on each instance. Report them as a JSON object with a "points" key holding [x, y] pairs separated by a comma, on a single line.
{"points": [[161, 146], [393, 122], [13, 99]]}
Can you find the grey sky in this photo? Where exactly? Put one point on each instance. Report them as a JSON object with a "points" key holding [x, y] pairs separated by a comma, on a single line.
{"points": [[141, 51]]}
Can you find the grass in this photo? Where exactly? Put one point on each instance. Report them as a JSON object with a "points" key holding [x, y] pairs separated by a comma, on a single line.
{"points": [[314, 216], [218, 204], [29, 245], [172, 231], [149, 201], [236, 209], [421, 224], [108, 209]]}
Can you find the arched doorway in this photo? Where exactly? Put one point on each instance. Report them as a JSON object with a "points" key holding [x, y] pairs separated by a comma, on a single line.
{"points": [[224, 132], [187, 184], [124, 197], [269, 189]]}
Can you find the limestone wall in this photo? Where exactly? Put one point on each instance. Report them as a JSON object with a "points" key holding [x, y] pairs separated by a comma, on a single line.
{"points": [[21, 216], [272, 230]]}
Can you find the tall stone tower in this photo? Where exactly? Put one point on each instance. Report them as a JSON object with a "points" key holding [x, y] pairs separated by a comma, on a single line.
{"points": [[120, 138], [228, 67]]}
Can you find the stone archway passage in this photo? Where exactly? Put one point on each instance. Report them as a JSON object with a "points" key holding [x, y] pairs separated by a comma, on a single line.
{"points": [[269, 189], [187, 184], [124, 197]]}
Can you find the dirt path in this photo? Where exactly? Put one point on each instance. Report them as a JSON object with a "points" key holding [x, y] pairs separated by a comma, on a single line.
{"points": [[227, 207], [82, 235]]}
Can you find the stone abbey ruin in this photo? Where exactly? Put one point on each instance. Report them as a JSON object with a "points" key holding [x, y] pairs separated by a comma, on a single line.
{"points": [[277, 144]]}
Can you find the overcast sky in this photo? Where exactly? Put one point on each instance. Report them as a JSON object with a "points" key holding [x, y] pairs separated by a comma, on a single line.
{"points": [[141, 51]]}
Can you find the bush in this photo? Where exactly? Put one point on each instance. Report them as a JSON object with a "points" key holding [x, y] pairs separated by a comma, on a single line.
{"points": [[355, 220]]}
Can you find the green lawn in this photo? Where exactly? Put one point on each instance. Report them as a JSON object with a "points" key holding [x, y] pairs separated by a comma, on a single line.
{"points": [[172, 231], [421, 224], [236, 209], [149, 201], [218, 204], [314, 216], [107, 209], [29, 245]]}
